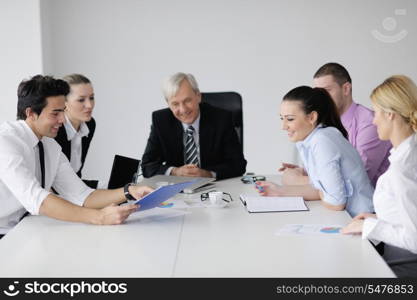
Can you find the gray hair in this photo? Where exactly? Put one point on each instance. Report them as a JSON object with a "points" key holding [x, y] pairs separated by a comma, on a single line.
{"points": [[172, 84]]}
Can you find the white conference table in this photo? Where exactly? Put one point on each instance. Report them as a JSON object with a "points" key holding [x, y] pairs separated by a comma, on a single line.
{"points": [[190, 242]]}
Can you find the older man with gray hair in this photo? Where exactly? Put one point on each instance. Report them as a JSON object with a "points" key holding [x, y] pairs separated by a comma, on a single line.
{"points": [[190, 138]]}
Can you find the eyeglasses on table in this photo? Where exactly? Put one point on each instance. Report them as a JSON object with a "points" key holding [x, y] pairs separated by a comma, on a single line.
{"points": [[252, 178], [226, 196]]}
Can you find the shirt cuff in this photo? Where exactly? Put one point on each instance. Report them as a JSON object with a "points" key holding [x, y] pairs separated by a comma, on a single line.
{"points": [[368, 230], [80, 201], [327, 197], [168, 171], [43, 194], [85, 195]]}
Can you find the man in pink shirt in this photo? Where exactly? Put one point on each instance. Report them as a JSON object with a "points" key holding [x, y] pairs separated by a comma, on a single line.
{"points": [[356, 118]]}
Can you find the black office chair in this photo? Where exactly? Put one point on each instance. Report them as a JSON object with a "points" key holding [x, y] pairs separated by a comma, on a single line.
{"points": [[123, 171], [402, 262], [230, 101], [406, 267]]}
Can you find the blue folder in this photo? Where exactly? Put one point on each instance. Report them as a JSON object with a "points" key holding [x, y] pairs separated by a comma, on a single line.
{"points": [[162, 194]]}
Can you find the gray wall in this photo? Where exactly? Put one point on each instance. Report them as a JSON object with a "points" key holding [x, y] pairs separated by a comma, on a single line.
{"points": [[260, 49], [20, 50]]}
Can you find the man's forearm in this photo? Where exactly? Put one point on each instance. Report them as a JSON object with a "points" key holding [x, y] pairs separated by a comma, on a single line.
{"points": [[153, 168], [58, 208], [102, 198]]}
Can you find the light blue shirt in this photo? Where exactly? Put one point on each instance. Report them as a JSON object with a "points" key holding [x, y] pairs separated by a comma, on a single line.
{"points": [[335, 168]]}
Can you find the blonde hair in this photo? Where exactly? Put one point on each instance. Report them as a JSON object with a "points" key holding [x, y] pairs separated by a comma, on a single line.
{"points": [[398, 94], [76, 79]]}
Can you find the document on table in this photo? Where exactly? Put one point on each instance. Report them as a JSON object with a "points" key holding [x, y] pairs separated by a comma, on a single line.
{"points": [[309, 229], [159, 215], [155, 198], [273, 204], [173, 203]]}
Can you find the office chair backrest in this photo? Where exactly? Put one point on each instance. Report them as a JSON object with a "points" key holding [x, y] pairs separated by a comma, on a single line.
{"points": [[230, 101], [122, 171]]}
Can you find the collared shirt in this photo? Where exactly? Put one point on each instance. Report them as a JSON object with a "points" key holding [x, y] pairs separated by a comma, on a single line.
{"points": [[76, 142], [196, 135], [357, 120], [335, 168], [395, 200], [20, 188]]}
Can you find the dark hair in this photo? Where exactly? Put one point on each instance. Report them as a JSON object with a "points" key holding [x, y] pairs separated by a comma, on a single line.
{"points": [[33, 93], [320, 101], [340, 74]]}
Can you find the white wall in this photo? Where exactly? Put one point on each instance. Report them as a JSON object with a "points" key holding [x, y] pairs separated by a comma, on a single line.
{"points": [[260, 49], [20, 50]]}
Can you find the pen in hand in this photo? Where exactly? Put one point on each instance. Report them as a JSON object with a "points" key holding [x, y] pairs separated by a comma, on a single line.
{"points": [[259, 188]]}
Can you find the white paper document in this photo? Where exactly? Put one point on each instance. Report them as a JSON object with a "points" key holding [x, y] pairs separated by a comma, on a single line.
{"points": [[309, 229], [159, 215], [273, 204]]}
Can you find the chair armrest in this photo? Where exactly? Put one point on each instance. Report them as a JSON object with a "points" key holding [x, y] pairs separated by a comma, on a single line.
{"points": [[397, 262]]}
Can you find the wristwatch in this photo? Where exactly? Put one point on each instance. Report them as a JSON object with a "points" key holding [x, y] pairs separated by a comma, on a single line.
{"points": [[128, 196]]}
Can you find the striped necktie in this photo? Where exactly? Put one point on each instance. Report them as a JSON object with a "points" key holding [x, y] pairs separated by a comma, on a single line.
{"points": [[191, 155]]}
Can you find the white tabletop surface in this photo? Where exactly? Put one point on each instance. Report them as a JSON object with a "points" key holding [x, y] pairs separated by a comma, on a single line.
{"points": [[191, 242]]}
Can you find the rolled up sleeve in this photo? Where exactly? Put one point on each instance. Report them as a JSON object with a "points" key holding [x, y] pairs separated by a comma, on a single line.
{"points": [[331, 182], [368, 230], [20, 179], [69, 185]]}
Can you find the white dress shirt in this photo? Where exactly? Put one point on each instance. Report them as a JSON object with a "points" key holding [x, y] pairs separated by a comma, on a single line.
{"points": [[20, 187], [76, 145], [196, 136], [395, 200]]}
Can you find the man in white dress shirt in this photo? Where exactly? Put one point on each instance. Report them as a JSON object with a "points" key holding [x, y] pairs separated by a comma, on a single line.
{"points": [[31, 163]]}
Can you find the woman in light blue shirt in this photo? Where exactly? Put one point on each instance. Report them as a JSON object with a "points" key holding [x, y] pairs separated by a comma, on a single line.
{"points": [[335, 171]]}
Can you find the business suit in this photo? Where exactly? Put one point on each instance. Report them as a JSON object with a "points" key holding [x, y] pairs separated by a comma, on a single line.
{"points": [[62, 139], [220, 150]]}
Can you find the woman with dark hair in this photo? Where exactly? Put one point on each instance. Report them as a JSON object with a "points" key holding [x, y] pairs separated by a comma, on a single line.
{"points": [[333, 168]]}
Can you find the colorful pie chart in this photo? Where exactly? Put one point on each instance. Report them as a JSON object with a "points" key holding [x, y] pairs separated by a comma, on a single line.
{"points": [[166, 204], [330, 229]]}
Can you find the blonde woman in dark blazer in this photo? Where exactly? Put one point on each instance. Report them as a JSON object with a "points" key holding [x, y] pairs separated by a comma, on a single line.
{"points": [[78, 130]]}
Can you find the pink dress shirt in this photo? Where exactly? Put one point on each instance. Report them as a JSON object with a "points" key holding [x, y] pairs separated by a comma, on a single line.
{"points": [[363, 136]]}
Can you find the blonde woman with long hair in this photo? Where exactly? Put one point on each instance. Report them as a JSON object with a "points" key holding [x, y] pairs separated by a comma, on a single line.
{"points": [[395, 199]]}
